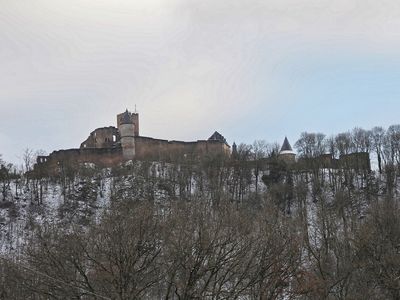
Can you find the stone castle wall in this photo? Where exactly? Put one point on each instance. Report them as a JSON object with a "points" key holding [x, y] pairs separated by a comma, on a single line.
{"points": [[106, 157], [109, 146], [157, 149], [146, 149], [106, 137], [355, 161]]}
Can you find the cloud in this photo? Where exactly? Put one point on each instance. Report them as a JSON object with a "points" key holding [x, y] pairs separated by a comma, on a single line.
{"points": [[190, 66]]}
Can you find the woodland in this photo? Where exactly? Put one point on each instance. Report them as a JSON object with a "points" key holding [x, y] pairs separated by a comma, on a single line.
{"points": [[249, 226]]}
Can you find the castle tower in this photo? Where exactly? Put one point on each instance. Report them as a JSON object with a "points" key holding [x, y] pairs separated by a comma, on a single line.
{"points": [[135, 120], [286, 152], [127, 131]]}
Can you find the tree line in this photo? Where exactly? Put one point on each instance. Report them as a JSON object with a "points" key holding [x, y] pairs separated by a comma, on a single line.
{"points": [[248, 227]]}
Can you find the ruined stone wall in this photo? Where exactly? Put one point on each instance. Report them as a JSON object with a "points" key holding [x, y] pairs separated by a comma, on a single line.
{"points": [[106, 157], [358, 161], [156, 149], [153, 149], [212, 147], [106, 137], [146, 149]]}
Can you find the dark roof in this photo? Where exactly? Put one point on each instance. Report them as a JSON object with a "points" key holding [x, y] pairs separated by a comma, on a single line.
{"points": [[217, 137], [286, 145], [126, 118]]}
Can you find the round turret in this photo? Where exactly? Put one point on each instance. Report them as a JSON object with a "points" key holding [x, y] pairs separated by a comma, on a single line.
{"points": [[127, 132], [287, 154]]}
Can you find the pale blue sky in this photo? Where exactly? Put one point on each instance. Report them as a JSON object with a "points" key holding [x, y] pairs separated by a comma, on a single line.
{"points": [[333, 94], [251, 69]]}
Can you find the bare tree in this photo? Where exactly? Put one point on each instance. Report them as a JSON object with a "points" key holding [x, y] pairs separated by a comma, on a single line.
{"points": [[260, 149], [393, 143], [377, 252], [28, 159], [311, 145], [6, 175], [362, 140], [344, 143], [378, 140]]}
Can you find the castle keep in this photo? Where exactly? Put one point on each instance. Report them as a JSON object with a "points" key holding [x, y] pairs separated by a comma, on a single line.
{"points": [[109, 146]]}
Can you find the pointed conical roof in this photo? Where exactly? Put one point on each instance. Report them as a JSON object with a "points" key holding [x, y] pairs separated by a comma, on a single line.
{"points": [[234, 147], [286, 146]]}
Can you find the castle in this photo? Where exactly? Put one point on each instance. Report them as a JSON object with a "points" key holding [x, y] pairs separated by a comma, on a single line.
{"points": [[111, 145]]}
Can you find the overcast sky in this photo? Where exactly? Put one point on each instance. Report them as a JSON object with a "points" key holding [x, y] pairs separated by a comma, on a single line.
{"points": [[251, 69]]}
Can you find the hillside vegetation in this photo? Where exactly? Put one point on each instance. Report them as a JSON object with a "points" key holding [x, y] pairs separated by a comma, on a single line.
{"points": [[246, 227]]}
